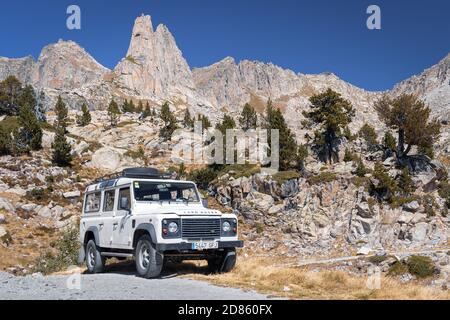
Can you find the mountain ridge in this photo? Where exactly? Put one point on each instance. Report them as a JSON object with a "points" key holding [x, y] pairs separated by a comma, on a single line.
{"points": [[155, 70]]}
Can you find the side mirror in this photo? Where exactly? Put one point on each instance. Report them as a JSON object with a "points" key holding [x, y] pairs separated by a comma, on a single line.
{"points": [[205, 203], [125, 204]]}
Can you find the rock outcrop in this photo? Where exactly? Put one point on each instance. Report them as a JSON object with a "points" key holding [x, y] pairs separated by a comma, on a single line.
{"points": [[433, 86]]}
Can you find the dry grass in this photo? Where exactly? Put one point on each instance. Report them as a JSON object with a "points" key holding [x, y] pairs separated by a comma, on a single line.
{"points": [[28, 241], [262, 275]]}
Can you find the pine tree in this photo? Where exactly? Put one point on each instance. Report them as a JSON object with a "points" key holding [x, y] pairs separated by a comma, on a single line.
{"points": [[248, 119], [169, 120], [30, 132], [85, 117], [113, 113], [147, 112], [61, 114], [5, 142], [188, 121], [140, 107], [206, 124], [332, 114], [227, 123], [287, 144], [385, 187], [410, 117], [405, 182], [368, 133], [61, 149]]}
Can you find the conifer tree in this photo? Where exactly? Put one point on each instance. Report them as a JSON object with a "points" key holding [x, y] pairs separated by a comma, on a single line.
{"points": [[287, 144], [188, 121], [330, 114], [169, 120], [113, 113], [410, 117], [248, 119], [61, 149], [61, 114], [85, 117]]}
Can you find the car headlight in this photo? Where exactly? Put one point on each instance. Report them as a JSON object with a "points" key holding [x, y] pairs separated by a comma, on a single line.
{"points": [[226, 226], [173, 227]]}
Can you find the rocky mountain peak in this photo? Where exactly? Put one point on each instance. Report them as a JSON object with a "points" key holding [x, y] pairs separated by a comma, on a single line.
{"points": [[154, 67]]}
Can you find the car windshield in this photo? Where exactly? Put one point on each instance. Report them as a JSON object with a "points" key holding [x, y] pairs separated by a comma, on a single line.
{"points": [[155, 191]]}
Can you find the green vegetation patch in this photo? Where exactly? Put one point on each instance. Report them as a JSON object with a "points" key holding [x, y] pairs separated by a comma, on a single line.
{"points": [[284, 176], [323, 177]]}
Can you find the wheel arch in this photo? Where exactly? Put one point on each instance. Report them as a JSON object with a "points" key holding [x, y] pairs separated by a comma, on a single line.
{"points": [[91, 234], [144, 229]]}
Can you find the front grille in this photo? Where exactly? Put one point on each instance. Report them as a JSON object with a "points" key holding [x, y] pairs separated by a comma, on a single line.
{"points": [[200, 229]]}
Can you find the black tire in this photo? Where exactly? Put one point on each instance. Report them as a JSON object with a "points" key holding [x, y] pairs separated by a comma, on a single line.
{"points": [[95, 263], [223, 262], [149, 262]]}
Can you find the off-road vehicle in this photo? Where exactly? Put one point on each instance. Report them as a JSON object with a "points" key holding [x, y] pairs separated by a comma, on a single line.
{"points": [[152, 217]]}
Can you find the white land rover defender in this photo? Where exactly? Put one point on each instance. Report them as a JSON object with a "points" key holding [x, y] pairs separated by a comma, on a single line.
{"points": [[146, 214]]}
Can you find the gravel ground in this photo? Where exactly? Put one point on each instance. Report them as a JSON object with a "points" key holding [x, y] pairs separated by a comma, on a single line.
{"points": [[115, 286]]}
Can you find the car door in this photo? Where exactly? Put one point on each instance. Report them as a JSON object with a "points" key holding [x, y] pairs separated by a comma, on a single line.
{"points": [[122, 224], [106, 226]]}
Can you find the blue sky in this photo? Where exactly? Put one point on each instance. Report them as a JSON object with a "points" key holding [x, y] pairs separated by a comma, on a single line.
{"points": [[305, 36]]}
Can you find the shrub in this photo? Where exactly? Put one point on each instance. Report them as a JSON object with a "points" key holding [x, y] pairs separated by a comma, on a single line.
{"points": [[361, 170], [398, 269], [36, 194], [203, 177], [348, 156], [67, 247], [259, 227], [323, 177], [421, 267], [429, 203], [284, 176], [377, 259]]}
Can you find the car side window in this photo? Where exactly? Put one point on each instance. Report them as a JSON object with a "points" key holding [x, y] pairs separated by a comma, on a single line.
{"points": [[92, 202], [109, 201], [124, 193]]}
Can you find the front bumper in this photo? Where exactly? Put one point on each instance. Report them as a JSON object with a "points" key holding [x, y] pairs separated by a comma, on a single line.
{"points": [[162, 247]]}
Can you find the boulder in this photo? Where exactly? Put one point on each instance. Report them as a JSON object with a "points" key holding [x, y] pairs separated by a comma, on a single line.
{"points": [[418, 234], [413, 206], [17, 190], [6, 205], [106, 159], [261, 201], [44, 212], [364, 210], [364, 251], [72, 194], [276, 209]]}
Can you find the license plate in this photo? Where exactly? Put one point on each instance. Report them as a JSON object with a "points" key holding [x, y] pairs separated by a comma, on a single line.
{"points": [[205, 245]]}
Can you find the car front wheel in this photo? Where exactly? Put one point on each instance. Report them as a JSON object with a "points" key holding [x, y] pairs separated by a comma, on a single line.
{"points": [[149, 262]]}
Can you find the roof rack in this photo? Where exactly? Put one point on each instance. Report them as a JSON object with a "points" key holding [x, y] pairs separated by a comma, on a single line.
{"points": [[136, 173]]}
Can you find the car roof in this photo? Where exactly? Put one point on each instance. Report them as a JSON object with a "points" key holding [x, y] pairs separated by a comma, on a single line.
{"points": [[113, 183]]}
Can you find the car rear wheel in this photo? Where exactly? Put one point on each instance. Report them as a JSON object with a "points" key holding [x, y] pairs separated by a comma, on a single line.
{"points": [[95, 263], [149, 262]]}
